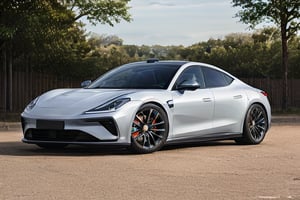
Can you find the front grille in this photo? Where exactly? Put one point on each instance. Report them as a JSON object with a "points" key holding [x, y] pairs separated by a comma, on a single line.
{"points": [[59, 135]]}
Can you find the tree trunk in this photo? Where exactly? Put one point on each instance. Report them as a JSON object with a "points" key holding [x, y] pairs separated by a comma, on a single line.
{"points": [[284, 45]]}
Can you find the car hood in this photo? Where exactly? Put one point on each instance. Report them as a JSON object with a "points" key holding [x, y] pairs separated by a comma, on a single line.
{"points": [[75, 101]]}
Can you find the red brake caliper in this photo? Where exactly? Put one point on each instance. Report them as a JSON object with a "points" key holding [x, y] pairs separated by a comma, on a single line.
{"points": [[134, 130]]}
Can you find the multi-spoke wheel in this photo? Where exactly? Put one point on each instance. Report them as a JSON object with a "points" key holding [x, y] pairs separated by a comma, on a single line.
{"points": [[149, 129], [255, 125]]}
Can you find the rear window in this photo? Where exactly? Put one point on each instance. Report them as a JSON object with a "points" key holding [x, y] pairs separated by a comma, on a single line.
{"points": [[215, 78]]}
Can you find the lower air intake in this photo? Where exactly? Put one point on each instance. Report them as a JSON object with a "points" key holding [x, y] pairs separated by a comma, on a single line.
{"points": [[59, 135]]}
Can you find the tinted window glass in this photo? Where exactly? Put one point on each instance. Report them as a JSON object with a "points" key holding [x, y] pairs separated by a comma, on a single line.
{"points": [[191, 73], [228, 79], [215, 78], [138, 76]]}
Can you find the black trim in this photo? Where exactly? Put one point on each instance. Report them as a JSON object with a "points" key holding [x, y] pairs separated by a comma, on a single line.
{"points": [[152, 60], [108, 123], [170, 103], [50, 124], [102, 142], [59, 135], [221, 136], [23, 123]]}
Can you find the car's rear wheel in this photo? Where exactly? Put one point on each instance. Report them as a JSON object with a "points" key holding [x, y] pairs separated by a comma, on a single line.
{"points": [[149, 130], [52, 145], [255, 125]]}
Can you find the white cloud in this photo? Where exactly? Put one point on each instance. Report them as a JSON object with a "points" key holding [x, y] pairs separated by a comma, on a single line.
{"points": [[175, 22]]}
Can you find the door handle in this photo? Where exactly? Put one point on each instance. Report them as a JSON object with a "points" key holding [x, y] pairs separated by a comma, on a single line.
{"points": [[206, 100], [238, 96]]}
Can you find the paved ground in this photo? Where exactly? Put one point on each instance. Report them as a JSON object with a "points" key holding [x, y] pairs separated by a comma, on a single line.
{"points": [[217, 170]]}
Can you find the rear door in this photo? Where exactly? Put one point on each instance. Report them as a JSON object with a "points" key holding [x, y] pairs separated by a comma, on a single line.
{"points": [[230, 101]]}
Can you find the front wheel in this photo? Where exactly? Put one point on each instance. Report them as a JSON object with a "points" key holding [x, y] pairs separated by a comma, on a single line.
{"points": [[149, 130], [255, 126]]}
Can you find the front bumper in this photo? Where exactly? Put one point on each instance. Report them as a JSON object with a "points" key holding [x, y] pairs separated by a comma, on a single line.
{"points": [[111, 128]]}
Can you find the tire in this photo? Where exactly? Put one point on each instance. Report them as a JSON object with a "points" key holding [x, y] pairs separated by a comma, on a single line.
{"points": [[51, 145], [255, 126], [149, 129]]}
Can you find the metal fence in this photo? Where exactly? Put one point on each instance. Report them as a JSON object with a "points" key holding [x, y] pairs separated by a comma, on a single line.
{"points": [[274, 88], [26, 86]]}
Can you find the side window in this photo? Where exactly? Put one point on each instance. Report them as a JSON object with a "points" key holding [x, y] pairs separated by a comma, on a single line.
{"points": [[191, 73], [215, 78]]}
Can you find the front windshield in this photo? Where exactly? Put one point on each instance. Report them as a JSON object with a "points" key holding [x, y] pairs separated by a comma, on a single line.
{"points": [[138, 76]]}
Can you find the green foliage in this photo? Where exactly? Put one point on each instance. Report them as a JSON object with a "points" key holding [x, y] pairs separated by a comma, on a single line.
{"points": [[294, 58], [244, 55], [280, 12], [284, 14], [46, 36], [103, 11]]}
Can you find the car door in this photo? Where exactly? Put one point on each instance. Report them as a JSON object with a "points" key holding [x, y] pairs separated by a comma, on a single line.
{"points": [[230, 101], [193, 109]]}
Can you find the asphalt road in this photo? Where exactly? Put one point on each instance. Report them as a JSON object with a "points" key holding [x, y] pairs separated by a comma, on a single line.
{"points": [[215, 170]]}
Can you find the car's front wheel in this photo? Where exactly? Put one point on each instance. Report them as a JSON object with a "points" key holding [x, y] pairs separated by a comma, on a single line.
{"points": [[255, 125], [149, 130]]}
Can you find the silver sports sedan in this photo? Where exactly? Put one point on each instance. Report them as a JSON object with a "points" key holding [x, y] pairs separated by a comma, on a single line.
{"points": [[146, 105]]}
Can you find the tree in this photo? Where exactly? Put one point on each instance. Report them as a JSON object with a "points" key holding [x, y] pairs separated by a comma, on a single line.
{"points": [[25, 26], [103, 11], [283, 13], [47, 36]]}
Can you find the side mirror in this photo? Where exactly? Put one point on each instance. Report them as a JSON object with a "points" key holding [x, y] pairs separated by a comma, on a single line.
{"points": [[188, 85], [85, 83]]}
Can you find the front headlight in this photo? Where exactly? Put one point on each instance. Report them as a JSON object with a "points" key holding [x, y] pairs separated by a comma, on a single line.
{"points": [[109, 106], [32, 103]]}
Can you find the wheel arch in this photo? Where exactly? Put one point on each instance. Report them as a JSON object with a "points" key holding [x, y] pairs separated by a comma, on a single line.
{"points": [[159, 105], [167, 112], [160, 108], [263, 106]]}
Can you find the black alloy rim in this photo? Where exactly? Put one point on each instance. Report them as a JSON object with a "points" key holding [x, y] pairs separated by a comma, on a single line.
{"points": [[257, 123], [148, 128]]}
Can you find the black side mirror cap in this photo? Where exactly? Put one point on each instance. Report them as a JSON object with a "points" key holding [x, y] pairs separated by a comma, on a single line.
{"points": [[188, 85], [85, 83]]}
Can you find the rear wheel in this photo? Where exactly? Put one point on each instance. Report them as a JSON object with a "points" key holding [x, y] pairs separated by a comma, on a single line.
{"points": [[255, 126], [149, 130]]}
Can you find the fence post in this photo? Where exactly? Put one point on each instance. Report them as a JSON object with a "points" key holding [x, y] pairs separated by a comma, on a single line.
{"points": [[4, 79], [10, 90]]}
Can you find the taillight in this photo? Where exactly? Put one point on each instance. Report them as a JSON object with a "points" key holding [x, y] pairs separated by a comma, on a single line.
{"points": [[264, 93]]}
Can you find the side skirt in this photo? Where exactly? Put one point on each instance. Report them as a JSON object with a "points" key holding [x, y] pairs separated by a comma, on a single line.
{"points": [[215, 137]]}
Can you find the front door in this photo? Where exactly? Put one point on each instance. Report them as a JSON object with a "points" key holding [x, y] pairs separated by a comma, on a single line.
{"points": [[193, 110]]}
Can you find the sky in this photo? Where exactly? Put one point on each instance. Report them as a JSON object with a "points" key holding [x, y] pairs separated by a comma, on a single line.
{"points": [[174, 22]]}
